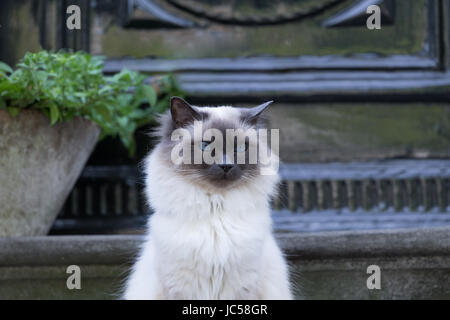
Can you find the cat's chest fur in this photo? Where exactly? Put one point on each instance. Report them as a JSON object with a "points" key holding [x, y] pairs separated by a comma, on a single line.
{"points": [[216, 256]]}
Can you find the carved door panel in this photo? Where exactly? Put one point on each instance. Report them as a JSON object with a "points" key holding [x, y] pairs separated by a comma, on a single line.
{"points": [[343, 92]]}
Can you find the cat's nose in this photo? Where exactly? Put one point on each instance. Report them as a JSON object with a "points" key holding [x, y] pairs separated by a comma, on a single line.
{"points": [[226, 167]]}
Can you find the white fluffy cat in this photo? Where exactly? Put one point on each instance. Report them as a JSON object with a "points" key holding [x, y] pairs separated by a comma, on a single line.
{"points": [[210, 236]]}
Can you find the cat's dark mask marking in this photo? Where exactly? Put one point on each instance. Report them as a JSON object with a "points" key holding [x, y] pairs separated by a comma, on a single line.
{"points": [[182, 114]]}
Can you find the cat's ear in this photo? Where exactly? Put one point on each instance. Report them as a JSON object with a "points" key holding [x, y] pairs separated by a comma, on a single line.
{"points": [[254, 113], [182, 112]]}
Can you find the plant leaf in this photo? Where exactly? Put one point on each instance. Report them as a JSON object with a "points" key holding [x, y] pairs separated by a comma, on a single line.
{"points": [[150, 94], [4, 67], [54, 114]]}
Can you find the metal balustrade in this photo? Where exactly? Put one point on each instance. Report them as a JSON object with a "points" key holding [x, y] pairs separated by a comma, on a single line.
{"points": [[112, 197], [401, 185]]}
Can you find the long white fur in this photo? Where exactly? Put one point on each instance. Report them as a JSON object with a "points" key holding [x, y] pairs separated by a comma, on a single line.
{"points": [[204, 244]]}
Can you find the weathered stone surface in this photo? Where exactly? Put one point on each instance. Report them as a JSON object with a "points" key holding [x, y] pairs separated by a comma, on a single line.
{"points": [[216, 40], [415, 264], [341, 132], [39, 165]]}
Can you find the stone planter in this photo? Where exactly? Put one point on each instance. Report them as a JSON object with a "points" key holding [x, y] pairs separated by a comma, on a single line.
{"points": [[39, 164]]}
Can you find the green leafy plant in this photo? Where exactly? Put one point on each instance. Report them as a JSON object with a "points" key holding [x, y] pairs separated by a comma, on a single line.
{"points": [[65, 85]]}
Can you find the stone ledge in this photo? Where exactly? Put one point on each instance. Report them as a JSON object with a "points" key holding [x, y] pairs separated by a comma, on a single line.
{"points": [[114, 249], [415, 264]]}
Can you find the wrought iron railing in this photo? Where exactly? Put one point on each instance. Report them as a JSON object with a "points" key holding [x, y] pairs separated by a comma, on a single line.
{"points": [[399, 185], [111, 197]]}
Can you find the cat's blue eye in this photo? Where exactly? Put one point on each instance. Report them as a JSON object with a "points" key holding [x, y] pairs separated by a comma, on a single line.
{"points": [[206, 146], [241, 148]]}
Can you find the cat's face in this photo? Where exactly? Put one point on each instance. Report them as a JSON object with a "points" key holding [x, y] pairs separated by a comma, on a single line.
{"points": [[214, 147]]}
